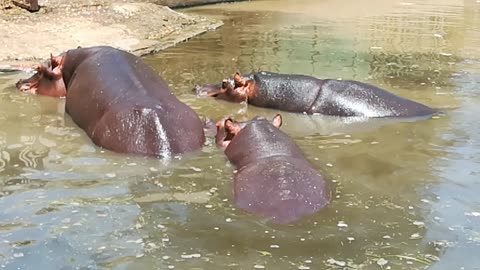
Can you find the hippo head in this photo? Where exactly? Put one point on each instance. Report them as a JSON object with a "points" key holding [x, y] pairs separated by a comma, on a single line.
{"points": [[237, 89], [228, 128], [47, 81]]}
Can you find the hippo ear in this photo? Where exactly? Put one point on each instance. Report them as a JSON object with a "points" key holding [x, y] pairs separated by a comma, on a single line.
{"points": [[52, 74], [277, 120], [56, 62], [221, 123], [54, 69], [239, 80], [230, 126]]}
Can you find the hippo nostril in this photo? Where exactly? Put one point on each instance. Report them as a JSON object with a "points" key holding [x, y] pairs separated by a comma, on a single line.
{"points": [[24, 87], [19, 84]]}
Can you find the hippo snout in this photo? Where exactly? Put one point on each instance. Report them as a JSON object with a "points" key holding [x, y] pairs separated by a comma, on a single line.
{"points": [[207, 90], [197, 89], [23, 85]]}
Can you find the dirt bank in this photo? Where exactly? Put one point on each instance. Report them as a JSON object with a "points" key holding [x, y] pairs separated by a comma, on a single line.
{"points": [[140, 28], [187, 3]]}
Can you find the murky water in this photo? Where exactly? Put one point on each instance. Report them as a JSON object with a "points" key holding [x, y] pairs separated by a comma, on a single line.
{"points": [[406, 192]]}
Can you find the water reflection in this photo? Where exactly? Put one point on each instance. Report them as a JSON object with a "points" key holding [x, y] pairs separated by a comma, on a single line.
{"points": [[405, 192]]}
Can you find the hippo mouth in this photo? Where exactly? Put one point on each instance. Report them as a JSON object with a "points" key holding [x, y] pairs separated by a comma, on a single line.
{"points": [[26, 87], [214, 90], [208, 90]]}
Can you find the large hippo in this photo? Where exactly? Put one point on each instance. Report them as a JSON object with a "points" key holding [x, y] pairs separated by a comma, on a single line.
{"points": [[310, 95], [121, 103], [273, 178]]}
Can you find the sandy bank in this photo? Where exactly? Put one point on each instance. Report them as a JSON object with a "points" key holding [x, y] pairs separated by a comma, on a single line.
{"points": [[140, 28]]}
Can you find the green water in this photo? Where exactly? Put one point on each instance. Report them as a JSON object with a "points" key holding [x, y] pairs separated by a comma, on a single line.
{"points": [[406, 193]]}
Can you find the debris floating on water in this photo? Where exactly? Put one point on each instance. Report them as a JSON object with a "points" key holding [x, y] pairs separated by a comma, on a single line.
{"points": [[196, 169], [342, 224], [473, 214], [382, 262], [191, 256], [335, 262], [415, 236], [419, 223]]}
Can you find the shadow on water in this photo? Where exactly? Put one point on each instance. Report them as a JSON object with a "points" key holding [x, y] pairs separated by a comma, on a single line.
{"points": [[405, 191]]}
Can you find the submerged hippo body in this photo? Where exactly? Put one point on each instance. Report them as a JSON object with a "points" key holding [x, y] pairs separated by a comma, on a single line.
{"points": [[273, 177], [120, 102], [306, 94]]}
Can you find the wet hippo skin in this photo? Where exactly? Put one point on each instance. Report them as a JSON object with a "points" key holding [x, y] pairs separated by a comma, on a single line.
{"points": [[273, 178], [121, 103], [307, 94]]}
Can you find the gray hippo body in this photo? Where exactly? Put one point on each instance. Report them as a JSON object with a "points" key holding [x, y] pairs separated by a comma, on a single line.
{"points": [[310, 95]]}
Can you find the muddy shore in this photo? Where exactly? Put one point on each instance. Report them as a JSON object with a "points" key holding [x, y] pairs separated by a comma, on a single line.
{"points": [[138, 27]]}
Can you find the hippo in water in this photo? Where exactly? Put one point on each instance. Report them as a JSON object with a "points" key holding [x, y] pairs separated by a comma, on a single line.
{"points": [[306, 94], [273, 178], [122, 104]]}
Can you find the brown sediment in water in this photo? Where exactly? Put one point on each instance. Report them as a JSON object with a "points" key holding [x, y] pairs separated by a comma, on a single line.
{"points": [[138, 27]]}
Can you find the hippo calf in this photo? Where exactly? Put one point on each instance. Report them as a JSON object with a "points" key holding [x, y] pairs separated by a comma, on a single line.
{"points": [[122, 104], [273, 178], [310, 95]]}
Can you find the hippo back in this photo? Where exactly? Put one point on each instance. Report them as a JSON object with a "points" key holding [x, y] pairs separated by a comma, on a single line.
{"points": [[106, 83], [353, 98], [294, 93], [260, 139], [282, 188]]}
